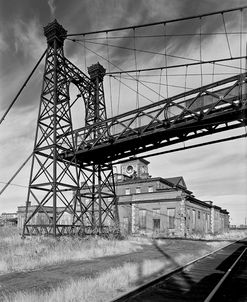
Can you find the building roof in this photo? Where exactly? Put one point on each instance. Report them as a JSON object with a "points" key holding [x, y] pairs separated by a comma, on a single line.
{"points": [[177, 181], [201, 202], [173, 182]]}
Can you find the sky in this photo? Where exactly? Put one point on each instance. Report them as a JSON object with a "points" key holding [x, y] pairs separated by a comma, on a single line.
{"points": [[216, 172]]}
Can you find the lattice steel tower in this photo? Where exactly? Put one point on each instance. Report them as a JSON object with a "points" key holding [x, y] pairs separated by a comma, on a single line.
{"points": [[67, 195]]}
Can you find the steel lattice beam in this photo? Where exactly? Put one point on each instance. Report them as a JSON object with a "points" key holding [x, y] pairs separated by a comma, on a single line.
{"points": [[55, 182], [213, 108]]}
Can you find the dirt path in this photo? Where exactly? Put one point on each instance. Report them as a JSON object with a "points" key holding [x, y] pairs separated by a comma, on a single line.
{"points": [[49, 277]]}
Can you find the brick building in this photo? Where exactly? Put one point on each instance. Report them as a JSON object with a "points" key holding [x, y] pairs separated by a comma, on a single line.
{"points": [[163, 205], [152, 205]]}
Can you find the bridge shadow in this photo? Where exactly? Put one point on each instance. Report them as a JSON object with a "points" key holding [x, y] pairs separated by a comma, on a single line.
{"points": [[169, 264], [193, 284]]}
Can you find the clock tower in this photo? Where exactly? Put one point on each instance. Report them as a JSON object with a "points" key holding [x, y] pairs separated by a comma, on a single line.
{"points": [[136, 168]]}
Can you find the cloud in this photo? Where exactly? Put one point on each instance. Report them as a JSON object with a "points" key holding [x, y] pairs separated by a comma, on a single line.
{"points": [[52, 7], [28, 41], [3, 43], [26, 47]]}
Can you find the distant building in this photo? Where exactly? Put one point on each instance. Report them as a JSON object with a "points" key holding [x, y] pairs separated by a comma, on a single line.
{"points": [[7, 219], [43, 216]]}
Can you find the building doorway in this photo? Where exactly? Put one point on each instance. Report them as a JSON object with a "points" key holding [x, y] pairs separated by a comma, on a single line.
{"points": [[156, 225]]}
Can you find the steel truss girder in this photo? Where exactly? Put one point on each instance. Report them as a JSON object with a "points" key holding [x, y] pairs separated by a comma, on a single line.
{"points": [[213, 108], [99, 199], [55, 182], [52, 178]]}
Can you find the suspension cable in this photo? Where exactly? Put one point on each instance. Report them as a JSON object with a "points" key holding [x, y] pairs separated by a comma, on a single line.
{"points": [[15, 174], [200, 36], [228, 43], [157, 23], [156, 83], [85, 54], [186, 64], [159, 97], [119, 95], [22, 87], [185, 80], [137, 78], [119, 80], [109, 68], [213, 73], [166, 61], [77, 41], [179, 74], [240, 38], [162, 54], [168, 35]]}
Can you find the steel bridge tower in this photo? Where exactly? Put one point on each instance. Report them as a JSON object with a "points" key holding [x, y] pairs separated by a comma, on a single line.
{"points": [[68, 196]]}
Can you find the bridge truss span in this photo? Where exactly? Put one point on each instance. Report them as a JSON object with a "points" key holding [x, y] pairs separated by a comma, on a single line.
{"points": [[213, 108]]}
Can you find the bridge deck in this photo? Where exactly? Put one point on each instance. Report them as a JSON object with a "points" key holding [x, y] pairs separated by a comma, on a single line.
{"points": [[209, 109]]}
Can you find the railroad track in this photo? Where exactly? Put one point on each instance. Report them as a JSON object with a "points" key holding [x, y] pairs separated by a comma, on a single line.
{"points": [[218, 276]]}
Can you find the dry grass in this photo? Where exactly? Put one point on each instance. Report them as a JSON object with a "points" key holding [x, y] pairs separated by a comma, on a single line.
{"points": [[112, 283], [34, 252], [231, 235], [17, 254]]}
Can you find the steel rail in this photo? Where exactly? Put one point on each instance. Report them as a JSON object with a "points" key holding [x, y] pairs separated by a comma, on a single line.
{"points": [[158, 23], [155, 281], [22, 87], [223, 279]]}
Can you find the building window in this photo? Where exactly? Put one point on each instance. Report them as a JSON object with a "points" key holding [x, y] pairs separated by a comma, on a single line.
{"points": [[126, 224], [199, 215], [127, 191], [156, 220], [142, 219], [171, 218], [193, 219], [150, 189], [138, 190]]}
